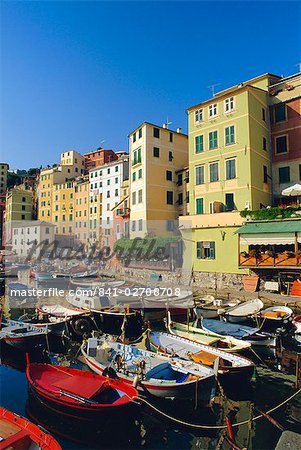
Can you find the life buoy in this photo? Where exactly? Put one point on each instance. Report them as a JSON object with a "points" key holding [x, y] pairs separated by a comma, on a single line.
{"points": [[81, 326]]}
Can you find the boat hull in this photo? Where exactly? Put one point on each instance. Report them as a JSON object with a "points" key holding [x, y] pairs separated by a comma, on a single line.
{"points": [[25, 343], [205, 391]]}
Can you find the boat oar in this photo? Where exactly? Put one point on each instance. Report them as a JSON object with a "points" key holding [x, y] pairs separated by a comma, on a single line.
{"points": [[79, 398], [270, 419]]}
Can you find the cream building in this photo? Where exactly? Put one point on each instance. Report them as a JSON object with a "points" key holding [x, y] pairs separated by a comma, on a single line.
{"points": [[156, 154]]}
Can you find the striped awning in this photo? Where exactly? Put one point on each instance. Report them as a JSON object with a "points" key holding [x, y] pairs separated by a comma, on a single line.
{"points": [[268, 239]]}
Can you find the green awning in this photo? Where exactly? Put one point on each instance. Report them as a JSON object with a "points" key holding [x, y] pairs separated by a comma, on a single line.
{"points": [[281, 226]]}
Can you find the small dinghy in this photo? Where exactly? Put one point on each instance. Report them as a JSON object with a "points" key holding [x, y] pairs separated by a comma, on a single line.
{"points": [[234, 367], [22, 335], [250, 334], [195, 334], [78, 393], [18, 433], [211, 308], [58, 313], [97, 283], [244, 311], [157, 375]]}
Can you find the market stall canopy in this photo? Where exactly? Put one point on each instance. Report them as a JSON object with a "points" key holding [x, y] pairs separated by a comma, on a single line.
{"points": [[270, 233], [292, 190]]}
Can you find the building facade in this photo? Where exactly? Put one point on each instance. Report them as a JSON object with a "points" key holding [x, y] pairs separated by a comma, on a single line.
{"points": [[156, 154], [30, 238], [98, 158], [81, 209], [3, 177], [285, 117]]}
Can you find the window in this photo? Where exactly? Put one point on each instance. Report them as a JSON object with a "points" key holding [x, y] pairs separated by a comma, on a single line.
{"points": [[134, 176], [180, 179], [157, 133], [281, 144], [199, 144], [213, 170], [205, 250], [140, 173], [108, 183], [140, 225], [180, 199], [280, 112], [169, 197], [263, 114], [134, 225], [134, 137], [116, 193], [212, 140], [199, 175], [229, 200], [116, 180], [229, 135], [108, 194], [140, 196], [134, 198], [23, 207], [198, 115], [116, 168], [170, 225], [140, 133], [229, 104], [284, 175], [170, 137], [170, 156], [265, 174], [199, 206], [156, 152], [212, 110], [230, 169], [23, 199], [137, 156], [264, 143], [168, 175]]}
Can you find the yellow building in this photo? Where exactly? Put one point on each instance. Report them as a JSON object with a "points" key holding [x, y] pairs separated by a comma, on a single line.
{"points": [[81, 209], [71, 166], [156, 154], [19, 204], [95, 217], [229, 170], [63, 208], [3, 177]]}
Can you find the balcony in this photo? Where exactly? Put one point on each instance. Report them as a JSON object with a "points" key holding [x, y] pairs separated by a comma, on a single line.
{"points": [[269, 259], [123, 212]]}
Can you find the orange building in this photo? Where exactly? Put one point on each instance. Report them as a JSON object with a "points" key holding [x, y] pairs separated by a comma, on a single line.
{"points": [[98, 158]]}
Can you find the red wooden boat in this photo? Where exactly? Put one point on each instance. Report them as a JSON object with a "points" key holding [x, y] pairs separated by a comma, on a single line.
{"points": [[78, 393], [18, 433]]}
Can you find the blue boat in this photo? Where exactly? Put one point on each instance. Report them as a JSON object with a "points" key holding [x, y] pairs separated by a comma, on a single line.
{"points": [[244, 332]]}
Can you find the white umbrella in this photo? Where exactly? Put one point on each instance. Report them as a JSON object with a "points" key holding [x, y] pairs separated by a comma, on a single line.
{"points": [[292, 190]]}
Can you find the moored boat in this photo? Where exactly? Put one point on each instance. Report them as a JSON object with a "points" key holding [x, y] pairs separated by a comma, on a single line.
{"points": [[78, 393], [252, 335], [19, 433], [188, 331], [157, 375], [211, 308], [275, 315], [244, 311], [232, 366], [22, 335]]}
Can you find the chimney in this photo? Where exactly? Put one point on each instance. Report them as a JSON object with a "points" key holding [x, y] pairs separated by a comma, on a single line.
{"points": [[164, 125], [179, 130]]}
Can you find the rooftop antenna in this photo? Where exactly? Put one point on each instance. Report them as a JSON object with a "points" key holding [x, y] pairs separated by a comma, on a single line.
{"points": [[212, 87], [167, 122]]}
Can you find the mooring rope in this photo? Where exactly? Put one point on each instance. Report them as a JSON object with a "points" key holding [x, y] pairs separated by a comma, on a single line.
{"points": [[219, 427]]}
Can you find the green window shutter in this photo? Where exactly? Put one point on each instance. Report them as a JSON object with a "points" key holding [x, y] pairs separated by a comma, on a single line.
{"points": [[134, 176], [199, 175], [140, 173], [212, 250], [199, 144], [200, 206], [212, 140], [230, 135], [139, 155]]}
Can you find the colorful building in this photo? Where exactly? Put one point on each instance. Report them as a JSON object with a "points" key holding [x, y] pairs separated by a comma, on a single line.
{"points": [[63, 211], [72, 165], [156, 154], [98, 158], [229, 170], [81, 209], [3, 177], [32, 239], [285, 115]]}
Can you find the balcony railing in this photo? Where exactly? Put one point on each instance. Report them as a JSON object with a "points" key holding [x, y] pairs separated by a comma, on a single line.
{"points": [[265, 260]]}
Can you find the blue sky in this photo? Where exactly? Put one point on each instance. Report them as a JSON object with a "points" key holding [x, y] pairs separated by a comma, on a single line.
{"points": [[75, 74]]}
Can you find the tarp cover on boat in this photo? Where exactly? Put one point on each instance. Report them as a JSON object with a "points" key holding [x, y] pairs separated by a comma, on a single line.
{"points": [[270, 233], [226, 328]]}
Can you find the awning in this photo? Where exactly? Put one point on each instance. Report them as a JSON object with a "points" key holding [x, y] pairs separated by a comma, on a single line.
{"points": [[270, 233], [268, 239]]}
